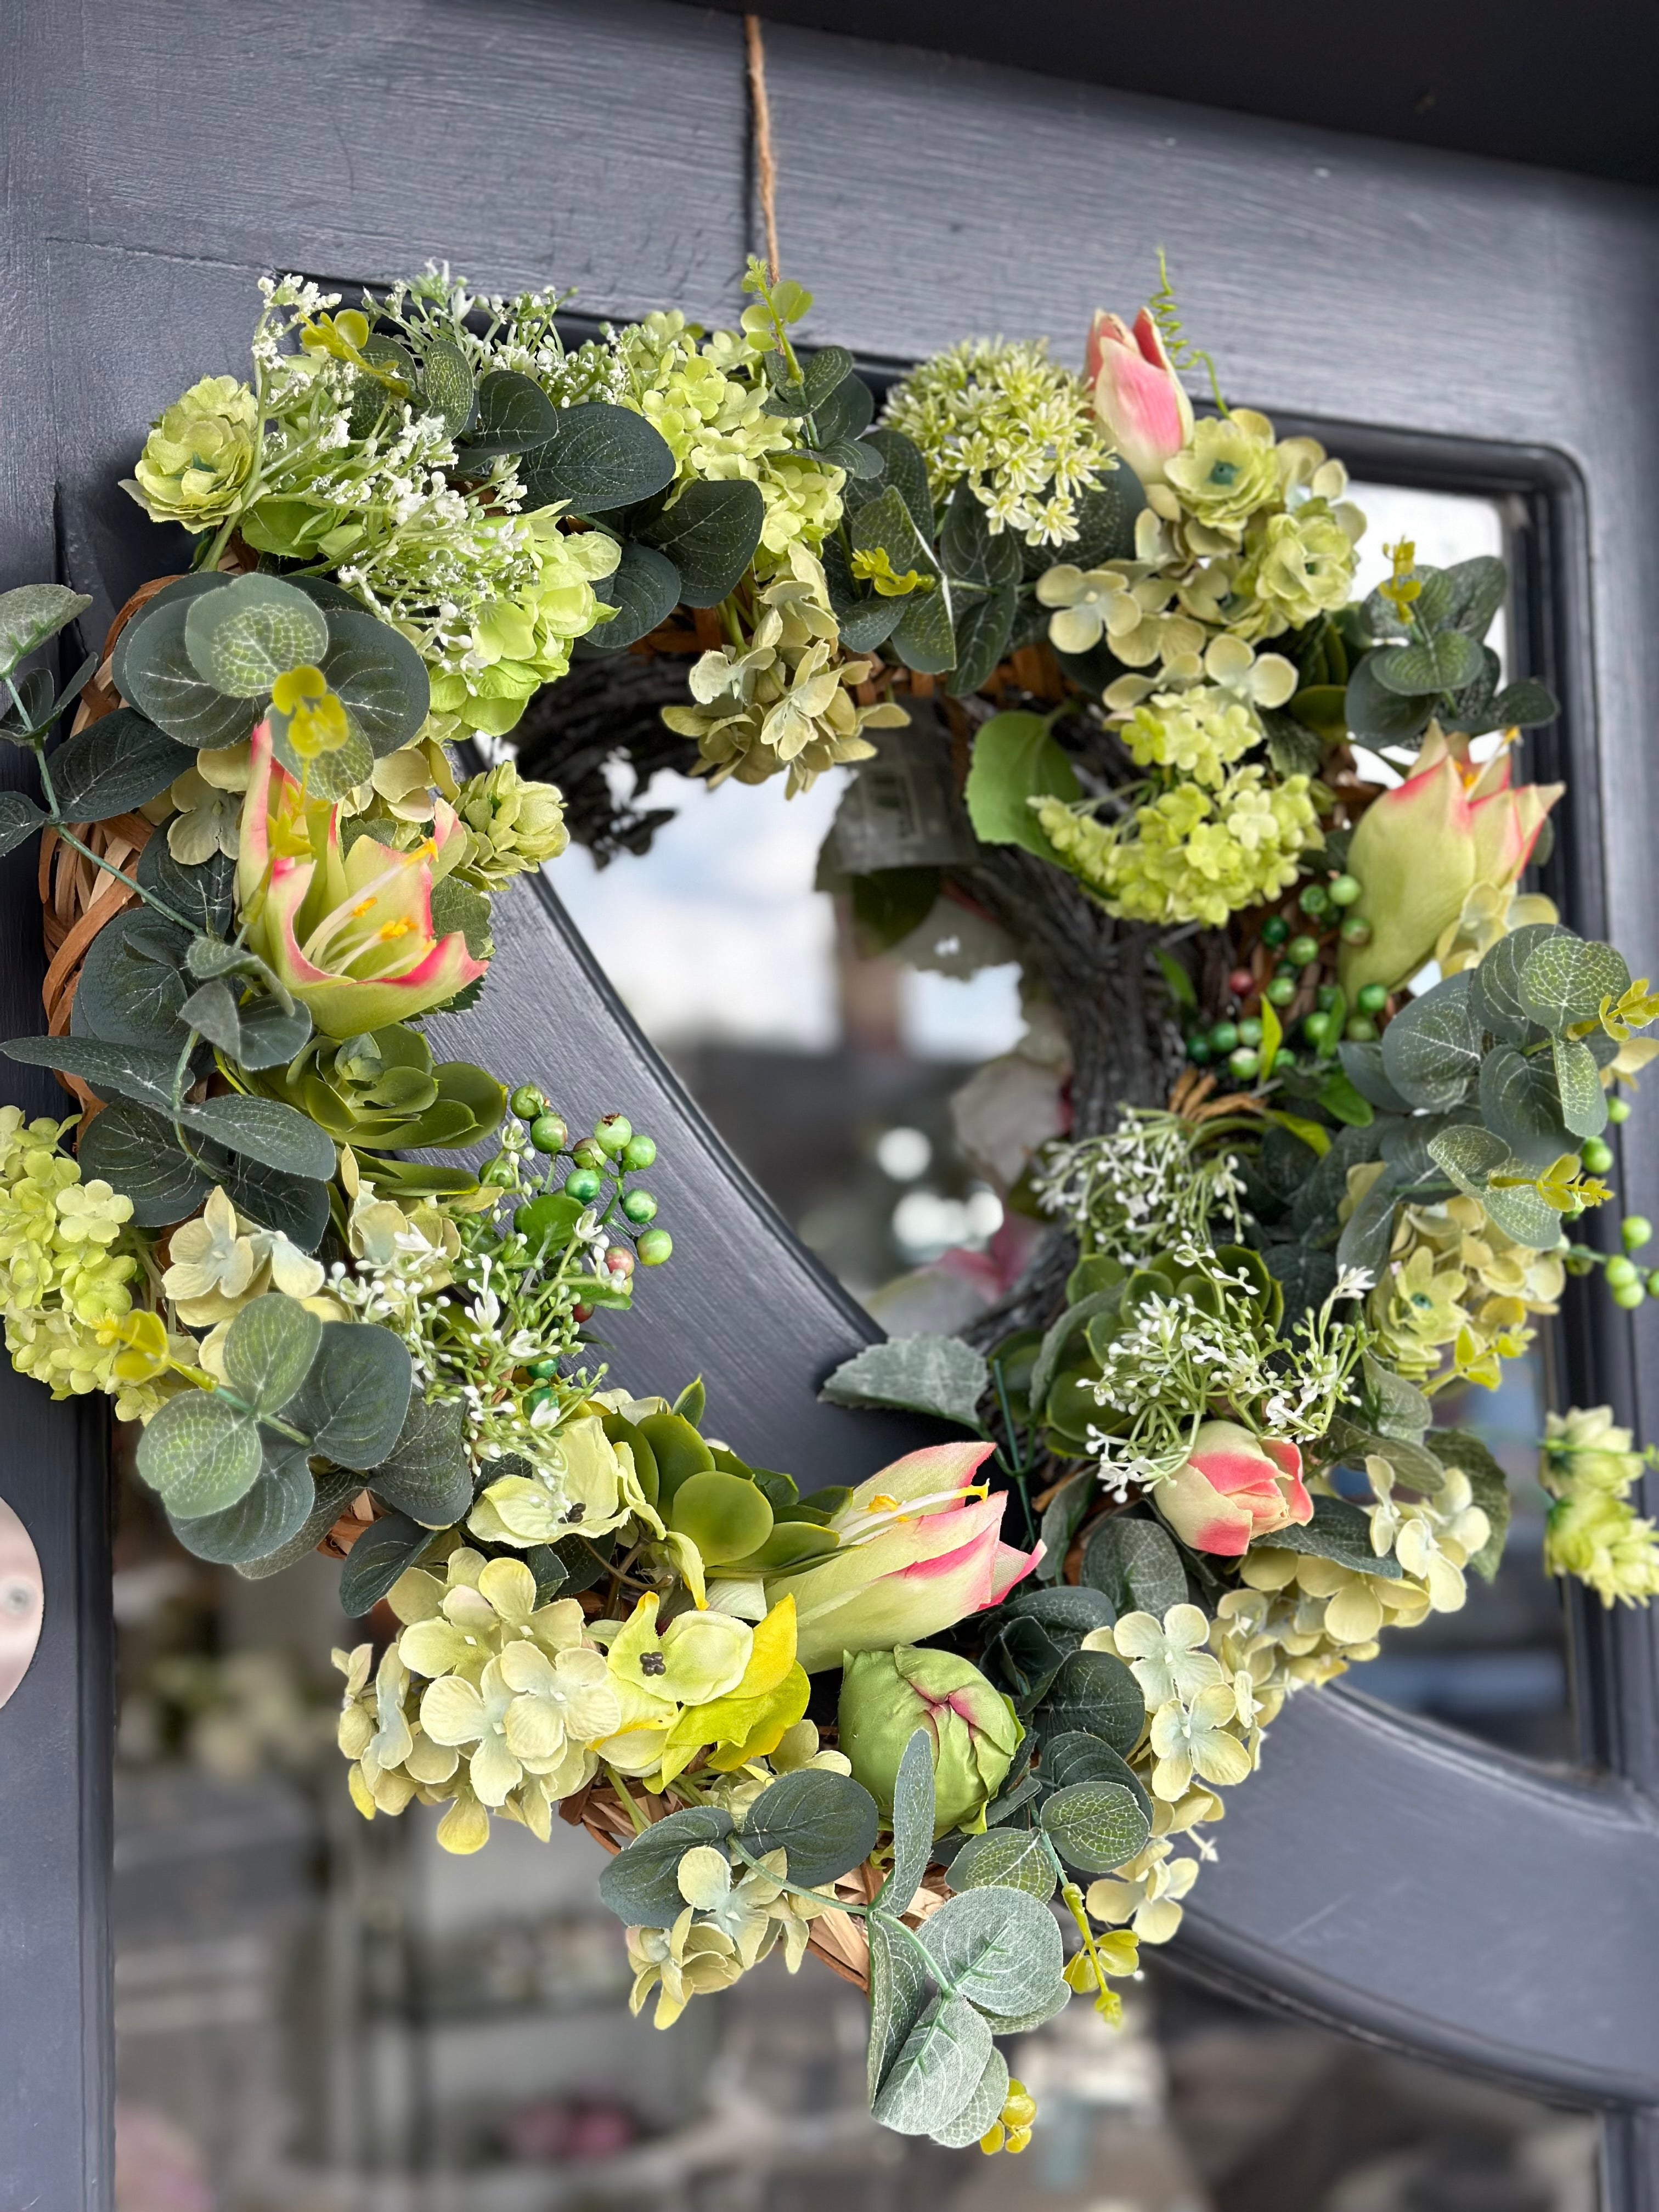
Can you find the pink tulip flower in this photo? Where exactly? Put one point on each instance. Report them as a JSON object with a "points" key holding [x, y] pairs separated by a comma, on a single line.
{"points": [[1234, 1487], [1137, 395]]}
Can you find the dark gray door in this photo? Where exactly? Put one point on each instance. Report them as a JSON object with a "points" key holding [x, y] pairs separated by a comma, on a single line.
{"points": [[1447, 320]]}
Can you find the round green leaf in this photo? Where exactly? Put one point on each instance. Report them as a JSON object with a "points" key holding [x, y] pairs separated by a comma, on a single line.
{"points": [[640, 1885], [1565, 979], [155, 673], [114, 764], [384, 1551], [130, 987], [269, 1349], [355, 1396], [241, 639], [1097, 1826], [940, 2068], [269, 1516], [379, 677], [597, 458], [200, 1452], [447, 389], [828, 1823], [1008, 1858], [134, 1149], [1095, 1692], [978, 2115], [999, 1947]]}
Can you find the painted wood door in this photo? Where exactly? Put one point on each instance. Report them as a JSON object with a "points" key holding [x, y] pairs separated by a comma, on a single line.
{"points": [[1440, 319]]}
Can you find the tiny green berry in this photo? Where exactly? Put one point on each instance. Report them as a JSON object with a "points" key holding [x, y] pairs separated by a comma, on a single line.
{"points": [[638, 1153], [1636, 1229], [1275, 929], [1249, 1031], [548, 1133], [527, 1101], [544, 1370], [654, 1246], [1327, 996], [1373, 998], [1245, 1063], [1281, 990], [1314, 1028], [1199, 1051], [1361, 1030], [1621, 1271], [639, 1206], [612, 1134], [588, 1154], [1302, 951], [584, 1185], [1345, 890], [501, 1174], [1597, 1156], [1356, 930], [1224, 1036], [1630, 1295], [1315, 899], [1653, 1283], [1618, 1110]]}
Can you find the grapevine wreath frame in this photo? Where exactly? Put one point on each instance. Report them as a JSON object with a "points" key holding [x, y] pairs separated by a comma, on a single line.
{"points": [[253, 1250]]}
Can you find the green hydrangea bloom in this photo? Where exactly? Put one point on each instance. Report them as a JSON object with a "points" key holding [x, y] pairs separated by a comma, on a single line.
{"points": [[1016, 428], [1199, 732], [1597, 1538], [198, 457], [1228, 472], [706, 400], [1188, 855]]}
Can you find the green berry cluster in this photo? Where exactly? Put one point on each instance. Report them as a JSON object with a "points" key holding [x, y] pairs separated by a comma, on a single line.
{"points": [[612, 1153], [1298, 945], [1631, 1284]]}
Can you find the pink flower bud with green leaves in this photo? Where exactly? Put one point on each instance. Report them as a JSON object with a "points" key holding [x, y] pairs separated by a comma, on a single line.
{"points": [[1137, 395], [920, 1549], [1421, 848], [886, 1696], [350, 932], [1233, 1488]]}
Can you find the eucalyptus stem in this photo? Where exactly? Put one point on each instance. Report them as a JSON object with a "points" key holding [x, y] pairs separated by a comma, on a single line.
{"points": [[846, 1905]]}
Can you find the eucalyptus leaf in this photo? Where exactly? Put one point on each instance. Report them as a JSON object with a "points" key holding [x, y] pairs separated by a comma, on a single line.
{"points": [[899, 1994], [242, 640], [936, 1375], [30, 614], [447, 384], [1445, 662], [1495, 999], [1432, 1048], [710, 534], [903, 470], [268, 1349], [426, 1474], [1061, 1519], [1077, 1610], [511, 414], [1368, 1232], [1583, 1102], [978, 2116], [1399, 1407], [1363, 1065], [912, 1822], [1378, 716], [1137, 1565], [1524, 706], [1006, 1858], [598, 457], [203, 893], [827, 1823], [1565, 979], [124, 1071], [332, 1491], [120, 761], [644, 588], [200, 1452], [998, 1947], [1339, 1531], [1077, 1757], [268, 1518], [639, 1884], [154, 672], [939, 2068], [266, 1130], [1095, 1692], [983, 631], [131, 990], [385, 1551], [1475, 590], [1097, 1826], [356, 1396], [379, 677], [1520, 1104], [134, 1149], [924, 639]]}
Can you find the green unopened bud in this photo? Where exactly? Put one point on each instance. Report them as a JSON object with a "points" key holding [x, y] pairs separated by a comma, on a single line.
{"points": [[654, 1246], [612, 1134], [638, 1153], [886, 1696]]}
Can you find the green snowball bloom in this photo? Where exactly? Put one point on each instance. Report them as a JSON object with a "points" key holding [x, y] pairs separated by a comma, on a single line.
{"points": [[886, 1696], [198, 459], [1597, 1538], [1199, 732]]}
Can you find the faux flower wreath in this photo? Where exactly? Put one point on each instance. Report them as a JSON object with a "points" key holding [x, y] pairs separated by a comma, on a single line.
{"points": [[1124, 641]]}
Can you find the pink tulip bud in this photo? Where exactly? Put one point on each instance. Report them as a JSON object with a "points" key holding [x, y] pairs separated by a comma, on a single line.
{"points": [[1137, 395], [1234, 1487]]}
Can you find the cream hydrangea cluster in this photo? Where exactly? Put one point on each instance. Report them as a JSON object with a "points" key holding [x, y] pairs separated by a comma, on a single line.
{"points": [[782, 700], [1212, 1684], [728, 1926], [1018, 428], [1589, 1468], [1455, 1284], [706, 397], [67, 1272], [1191, 854]]}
